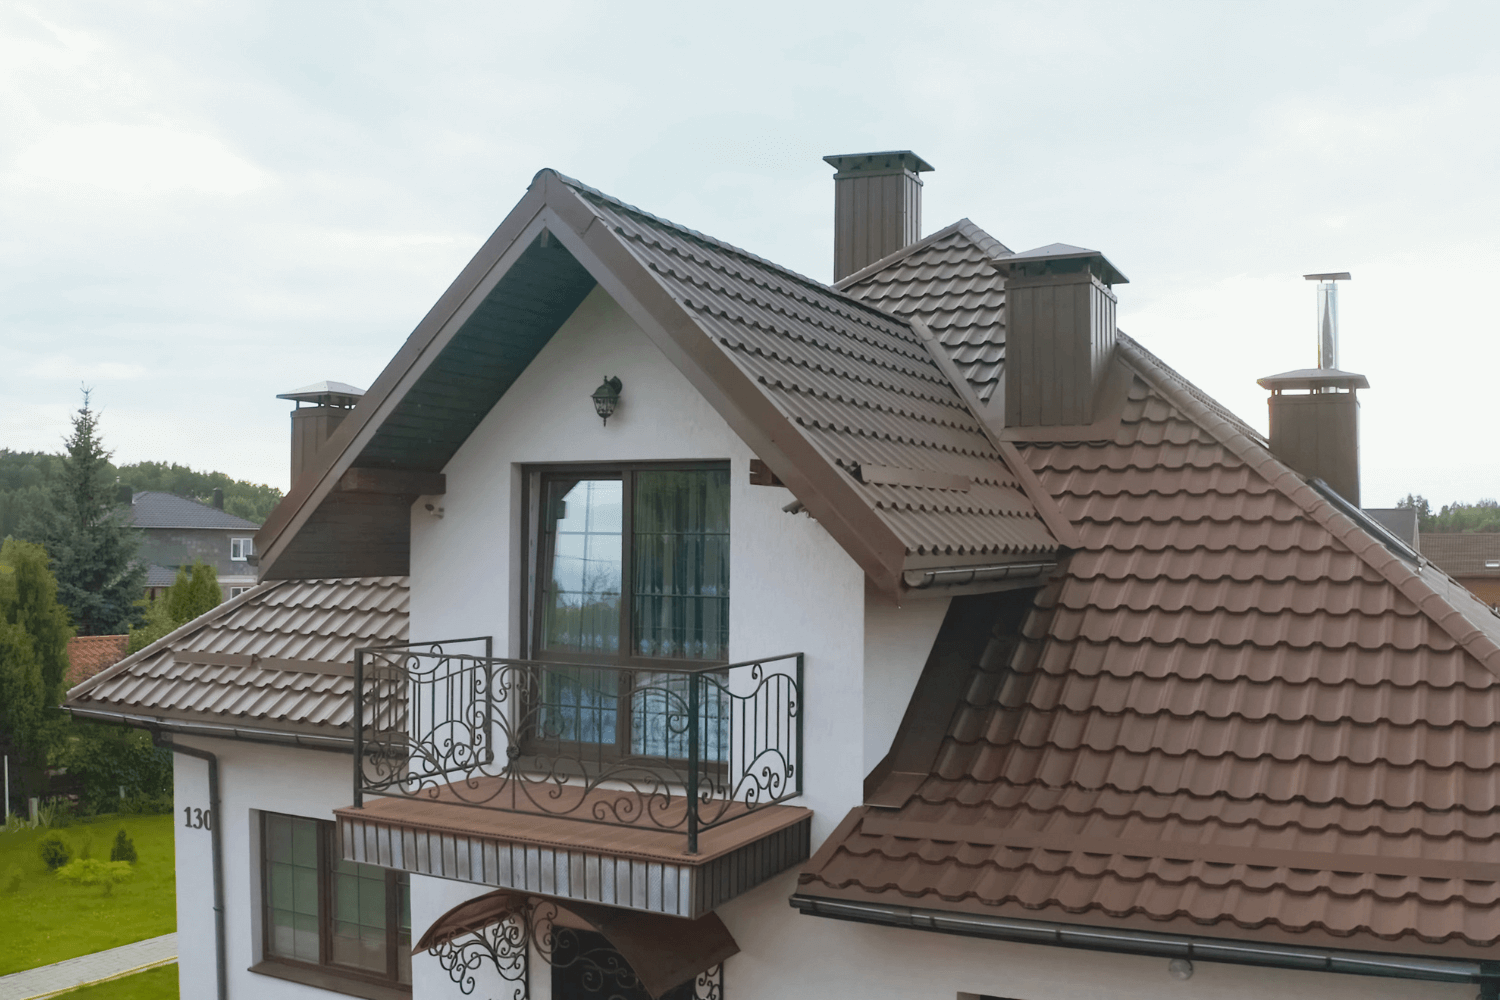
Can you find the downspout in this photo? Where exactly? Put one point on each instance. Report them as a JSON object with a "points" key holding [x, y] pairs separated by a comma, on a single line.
{"points": [[216, 847], [1160, 944]]}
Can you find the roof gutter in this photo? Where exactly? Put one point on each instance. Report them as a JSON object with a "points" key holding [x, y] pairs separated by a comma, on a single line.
{"points": [[337, 744], [1154, 943], [958, 576]]}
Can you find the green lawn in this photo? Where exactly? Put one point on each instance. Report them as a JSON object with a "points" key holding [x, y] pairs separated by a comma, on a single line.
{"points": [[159, 983], [47, 921]]}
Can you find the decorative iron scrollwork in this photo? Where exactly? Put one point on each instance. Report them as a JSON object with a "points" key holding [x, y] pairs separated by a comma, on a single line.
{"points": [[674, 748], [599, 970], [506, 945]]}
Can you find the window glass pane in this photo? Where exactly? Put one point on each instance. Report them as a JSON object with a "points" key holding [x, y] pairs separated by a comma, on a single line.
{"points": [[586, 966], [291, 865], [680, 574], [659, 705], [581, 592], [358, 938], [578, 705], [403, 930]]}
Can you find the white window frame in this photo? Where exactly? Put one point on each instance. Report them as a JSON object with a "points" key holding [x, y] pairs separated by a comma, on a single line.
{"points": [[244, 546], [236, 592]]}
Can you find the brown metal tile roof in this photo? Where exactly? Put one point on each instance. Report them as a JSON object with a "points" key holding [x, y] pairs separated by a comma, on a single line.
{"points": [[277, 656], [1464, 555], [947, 280], [860, 384], [1235, 714]]}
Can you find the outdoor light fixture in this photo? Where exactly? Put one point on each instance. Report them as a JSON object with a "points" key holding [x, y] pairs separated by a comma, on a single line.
{"points": [[606, 398]]}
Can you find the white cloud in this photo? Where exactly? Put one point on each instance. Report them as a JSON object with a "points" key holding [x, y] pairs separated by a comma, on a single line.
{"points": [[134, 160]]}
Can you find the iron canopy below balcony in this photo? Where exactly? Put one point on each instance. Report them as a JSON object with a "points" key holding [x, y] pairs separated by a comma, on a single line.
{"points": [[657, 788]]}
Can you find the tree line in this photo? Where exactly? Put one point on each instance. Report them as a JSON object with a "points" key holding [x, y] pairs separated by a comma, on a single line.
{"points": [[1453, 518]]}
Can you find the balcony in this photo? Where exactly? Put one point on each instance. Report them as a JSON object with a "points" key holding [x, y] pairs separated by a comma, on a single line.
{"points": [[658, 788]]}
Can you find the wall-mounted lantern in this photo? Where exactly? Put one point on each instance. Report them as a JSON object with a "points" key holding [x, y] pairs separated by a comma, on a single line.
{"points": [[607, 397]]}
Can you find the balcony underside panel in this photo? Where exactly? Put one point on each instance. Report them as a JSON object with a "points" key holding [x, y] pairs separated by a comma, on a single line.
{"points": [[635, 868]]}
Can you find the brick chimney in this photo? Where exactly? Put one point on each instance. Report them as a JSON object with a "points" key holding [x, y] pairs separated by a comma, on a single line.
{"points": [[1315, 411], [877, 206], [1059, 334], [328, 403]]}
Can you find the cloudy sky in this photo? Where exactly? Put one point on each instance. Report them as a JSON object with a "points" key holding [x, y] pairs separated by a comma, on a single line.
{"points": [[205, 204]]}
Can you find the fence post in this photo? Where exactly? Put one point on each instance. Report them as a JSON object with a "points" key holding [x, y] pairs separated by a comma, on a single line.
{"points": [[359, 727], [692, 777]]}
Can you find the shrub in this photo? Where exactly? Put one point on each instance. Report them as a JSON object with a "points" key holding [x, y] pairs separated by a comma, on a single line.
{"points": [[13, 880], [54, 852], [123, 849], [147, 804], [84, 848], [91, 871], [54, 814]]}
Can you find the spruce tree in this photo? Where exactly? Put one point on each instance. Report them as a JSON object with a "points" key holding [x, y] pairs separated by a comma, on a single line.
{"points": [[86, 531]]}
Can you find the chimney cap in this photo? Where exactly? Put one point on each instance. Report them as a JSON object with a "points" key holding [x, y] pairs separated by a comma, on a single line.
{"points": [[325, 394], [893, 161], [1059, 252], [1330, 276], [1314, 378]]}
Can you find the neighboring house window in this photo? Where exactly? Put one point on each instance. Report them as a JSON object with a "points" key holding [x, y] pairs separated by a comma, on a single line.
{"points": [[631, 567], [237, 591], [240, 549], [327, 915]]}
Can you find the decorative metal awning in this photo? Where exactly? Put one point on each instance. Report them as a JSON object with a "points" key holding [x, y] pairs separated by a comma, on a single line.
{"points": [[618, 954]]}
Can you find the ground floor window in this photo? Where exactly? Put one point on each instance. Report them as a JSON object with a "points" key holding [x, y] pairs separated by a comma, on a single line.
{"points": [[324, 913]]}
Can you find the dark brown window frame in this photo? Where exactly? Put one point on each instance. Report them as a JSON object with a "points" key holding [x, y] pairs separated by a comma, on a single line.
{"points": [[537, 555], [326, 973]]}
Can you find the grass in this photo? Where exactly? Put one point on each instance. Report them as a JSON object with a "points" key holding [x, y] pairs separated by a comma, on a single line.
{"points": [[46, 920], [159, 983]]}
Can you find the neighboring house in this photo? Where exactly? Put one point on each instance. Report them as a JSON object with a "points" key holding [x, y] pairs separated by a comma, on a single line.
{"points": [[920, 636], [89, 654], [1471, 559], [178, 532]]}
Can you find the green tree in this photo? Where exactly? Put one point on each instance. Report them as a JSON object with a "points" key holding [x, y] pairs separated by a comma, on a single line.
{"points": [[103, 757], [85, 529], [189, 596], [23, 695], [28, 598]]}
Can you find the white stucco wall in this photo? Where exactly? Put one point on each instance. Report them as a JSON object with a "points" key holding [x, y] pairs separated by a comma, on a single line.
{"points": [[252, 778], [897, 641]]}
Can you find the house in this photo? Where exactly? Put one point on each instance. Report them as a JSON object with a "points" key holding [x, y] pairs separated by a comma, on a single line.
{"points": [[917, 636], [1471, 558], [178, 532]]}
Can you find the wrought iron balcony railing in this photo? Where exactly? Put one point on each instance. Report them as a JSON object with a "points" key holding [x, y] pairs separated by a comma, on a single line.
{"points": [[668, 747]]}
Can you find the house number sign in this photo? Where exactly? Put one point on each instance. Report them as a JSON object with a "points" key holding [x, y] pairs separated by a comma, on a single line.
{"points": [[197, 819]]}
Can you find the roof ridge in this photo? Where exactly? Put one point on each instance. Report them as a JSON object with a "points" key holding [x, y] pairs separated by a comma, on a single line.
{"points": [[964, 227], [635, 210], [1251, 449]]}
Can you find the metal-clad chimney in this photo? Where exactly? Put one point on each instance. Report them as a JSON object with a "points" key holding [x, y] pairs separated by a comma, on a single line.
{"points": [[877, 206], [1315, 411], [328, 404], [1059, 334]]}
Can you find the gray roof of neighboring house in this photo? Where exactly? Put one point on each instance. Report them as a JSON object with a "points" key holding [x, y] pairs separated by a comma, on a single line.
{"points": [[1399, 521], [949, 281], [278, 657], [160, 576], [1463, 555], [152, 509]]}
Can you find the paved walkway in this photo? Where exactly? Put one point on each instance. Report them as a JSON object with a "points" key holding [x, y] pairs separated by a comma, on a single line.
{"points": [[49, 980]]}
